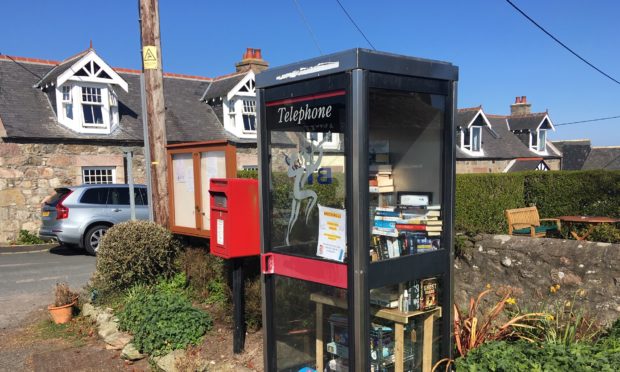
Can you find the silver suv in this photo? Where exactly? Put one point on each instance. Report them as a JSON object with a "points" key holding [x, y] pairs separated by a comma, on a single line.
{"points": [[80, 215]]}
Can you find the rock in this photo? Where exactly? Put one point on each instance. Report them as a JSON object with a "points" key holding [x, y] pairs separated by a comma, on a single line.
{"points": [[131, 353], [506, 262], [617, 282], [526, 274], [571, 279], [11, 197], [89, 310], [103, 317], [106, 329], [117, 341], [168, 362], [565, 261], [478, 238]]}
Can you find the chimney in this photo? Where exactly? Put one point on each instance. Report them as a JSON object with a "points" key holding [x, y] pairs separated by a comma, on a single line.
{"points": [[252, 60], [520, 107]]}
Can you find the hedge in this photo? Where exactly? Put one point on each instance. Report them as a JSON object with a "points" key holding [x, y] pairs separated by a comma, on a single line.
{"points": [[482, 198]]}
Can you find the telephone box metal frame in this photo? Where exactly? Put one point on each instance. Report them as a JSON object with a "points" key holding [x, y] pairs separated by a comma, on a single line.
{"points": [[361, 69]]}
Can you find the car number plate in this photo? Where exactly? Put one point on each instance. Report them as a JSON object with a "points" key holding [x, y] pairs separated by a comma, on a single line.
{"points": [[45, 213]]}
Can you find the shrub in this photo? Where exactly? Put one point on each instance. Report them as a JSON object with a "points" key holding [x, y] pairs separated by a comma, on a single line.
{"points": [[482, 198], [605, 233], [162, 321], [524, 356], [63, 295], [247, 173], [207, 276], [253, 304], [134, 252], [26, 237]]}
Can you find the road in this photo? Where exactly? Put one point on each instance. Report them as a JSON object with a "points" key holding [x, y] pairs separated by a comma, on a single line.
{"points": [[27, 279]]}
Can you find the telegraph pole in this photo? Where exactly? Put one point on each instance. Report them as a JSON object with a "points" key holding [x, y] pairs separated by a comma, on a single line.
{"points": [[155, 109]]}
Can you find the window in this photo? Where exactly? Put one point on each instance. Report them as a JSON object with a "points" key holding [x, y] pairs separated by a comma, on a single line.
{"points": [[249, 115], [92, 106], [67, 102], [472, 139], [542, 140], [94, 175], [327, 139], [119, 196], [95, 196]]}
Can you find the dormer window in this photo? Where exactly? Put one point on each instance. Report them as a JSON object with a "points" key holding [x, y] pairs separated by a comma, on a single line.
{"points": [[67, 102], [329, 140], [472, 139], [84, 90], [92, 106], [249, 115], [538, 140]]}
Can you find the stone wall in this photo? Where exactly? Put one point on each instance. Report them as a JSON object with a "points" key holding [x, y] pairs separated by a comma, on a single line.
{"points": [[481, 166], [30, 172], [530, 266]]}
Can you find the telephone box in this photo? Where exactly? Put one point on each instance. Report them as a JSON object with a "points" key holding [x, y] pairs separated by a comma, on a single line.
{"points": [[357, 163], [234, 217]]}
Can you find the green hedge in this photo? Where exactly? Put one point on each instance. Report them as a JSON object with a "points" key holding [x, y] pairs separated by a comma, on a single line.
{"points": [[482, 198], [595, 193]]}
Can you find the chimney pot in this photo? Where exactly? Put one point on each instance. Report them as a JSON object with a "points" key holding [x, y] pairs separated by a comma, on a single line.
{"points": [[248, 53], [257, 54], [523, 99], [517, 99]]}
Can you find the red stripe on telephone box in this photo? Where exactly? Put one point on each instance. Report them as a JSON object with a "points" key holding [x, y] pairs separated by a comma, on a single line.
{"points": [[317, 271], [288, 101]]}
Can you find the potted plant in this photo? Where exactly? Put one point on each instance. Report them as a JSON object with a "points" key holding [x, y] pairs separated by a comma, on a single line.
{"points": [[64, 300]]}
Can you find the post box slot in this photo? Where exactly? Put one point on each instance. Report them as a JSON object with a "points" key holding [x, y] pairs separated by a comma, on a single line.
{"points": [[219, 200]]}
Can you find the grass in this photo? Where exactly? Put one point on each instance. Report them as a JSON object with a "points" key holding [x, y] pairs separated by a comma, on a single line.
{"points": [[77, 332]]}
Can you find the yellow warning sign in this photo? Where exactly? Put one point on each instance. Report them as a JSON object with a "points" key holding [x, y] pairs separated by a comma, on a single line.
{"points": [[149, 57]]}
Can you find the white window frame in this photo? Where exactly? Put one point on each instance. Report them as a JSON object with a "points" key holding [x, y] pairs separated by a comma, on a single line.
{"points": [[248, 110], [106, 175], [92, 96], [467, 139], [66, 99], [331, 143], [542, 140]]}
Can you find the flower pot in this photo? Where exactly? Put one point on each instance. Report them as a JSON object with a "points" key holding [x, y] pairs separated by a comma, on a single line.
{"points": [[61, 314]]}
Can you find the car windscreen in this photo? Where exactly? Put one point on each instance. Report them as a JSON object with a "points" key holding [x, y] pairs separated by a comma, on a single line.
{"points": [[57, 196]]}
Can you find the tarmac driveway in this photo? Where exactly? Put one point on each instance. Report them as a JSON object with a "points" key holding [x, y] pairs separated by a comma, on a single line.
{"points": [[28, 277]]}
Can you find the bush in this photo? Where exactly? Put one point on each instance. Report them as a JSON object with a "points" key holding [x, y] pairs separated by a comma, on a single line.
{"points": [[247, 173], [482, 198], [161, 320], [134, 252], [26, 237], [253, 304], [605, 233], [526, 357]]}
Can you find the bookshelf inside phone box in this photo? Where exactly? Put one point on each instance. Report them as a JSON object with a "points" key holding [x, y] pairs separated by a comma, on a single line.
{"points": [[191, 166], [357, 189]]}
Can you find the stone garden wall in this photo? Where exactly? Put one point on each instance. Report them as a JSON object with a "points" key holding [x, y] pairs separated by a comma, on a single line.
{"points": [[529, 267], [30, 172]]}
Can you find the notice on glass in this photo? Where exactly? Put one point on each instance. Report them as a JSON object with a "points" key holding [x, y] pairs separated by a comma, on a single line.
{"points": [[332, 233]]}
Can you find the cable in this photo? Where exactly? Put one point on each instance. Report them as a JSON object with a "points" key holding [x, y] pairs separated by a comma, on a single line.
{"points": [[303, 17], [20, 65], [355, 24], [587, 121], [561, 43]]}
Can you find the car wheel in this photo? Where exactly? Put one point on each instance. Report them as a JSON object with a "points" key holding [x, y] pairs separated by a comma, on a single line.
{"points": [[92, 239]]}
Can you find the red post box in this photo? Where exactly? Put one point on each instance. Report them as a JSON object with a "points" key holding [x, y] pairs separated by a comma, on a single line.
{"points": [[235, 223]]}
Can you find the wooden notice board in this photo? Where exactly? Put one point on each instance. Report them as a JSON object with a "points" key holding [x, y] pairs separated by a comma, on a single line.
{"points": [[191, 167]]}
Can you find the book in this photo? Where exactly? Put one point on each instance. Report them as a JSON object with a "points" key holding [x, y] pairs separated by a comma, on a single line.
{"points": [[384, 213], [386, 209], [428, 293], [337, 349], [414, 295], [376, 168], [432, 228], [410, 227], [433, 233], [388, 218], [384, 180], [383, 224], [434, 207]]}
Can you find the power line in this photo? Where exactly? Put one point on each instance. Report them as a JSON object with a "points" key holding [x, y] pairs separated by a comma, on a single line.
{"points": [[303, 17], [587, 121], [355, 24], [561, 43]]}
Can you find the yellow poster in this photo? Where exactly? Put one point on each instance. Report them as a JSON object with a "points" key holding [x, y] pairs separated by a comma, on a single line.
{"points": [[149, 57]]}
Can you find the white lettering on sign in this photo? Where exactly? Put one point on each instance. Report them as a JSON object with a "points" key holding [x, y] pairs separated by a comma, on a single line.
{"points": [[220, 232], [297, 115]]}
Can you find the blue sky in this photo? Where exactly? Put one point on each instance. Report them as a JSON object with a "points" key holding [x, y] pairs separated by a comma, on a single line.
{"points": [[500, 54]]}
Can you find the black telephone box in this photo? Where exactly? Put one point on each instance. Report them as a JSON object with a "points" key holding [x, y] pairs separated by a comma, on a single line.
{"points": [[357, 198]]}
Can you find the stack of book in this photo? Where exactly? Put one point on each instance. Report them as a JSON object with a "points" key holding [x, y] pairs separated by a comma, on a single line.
{"points": [[399, 231], [380, 178]]}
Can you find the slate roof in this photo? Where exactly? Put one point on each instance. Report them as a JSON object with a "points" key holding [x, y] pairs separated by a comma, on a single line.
{"points": [[521, 165], [60, 68], [28, 113], [574, 153], [526, 122], [221, 86], [465, 116], [603, 158]]}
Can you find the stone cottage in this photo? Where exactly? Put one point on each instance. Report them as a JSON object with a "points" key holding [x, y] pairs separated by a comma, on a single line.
{"points": [[67, 123]]}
